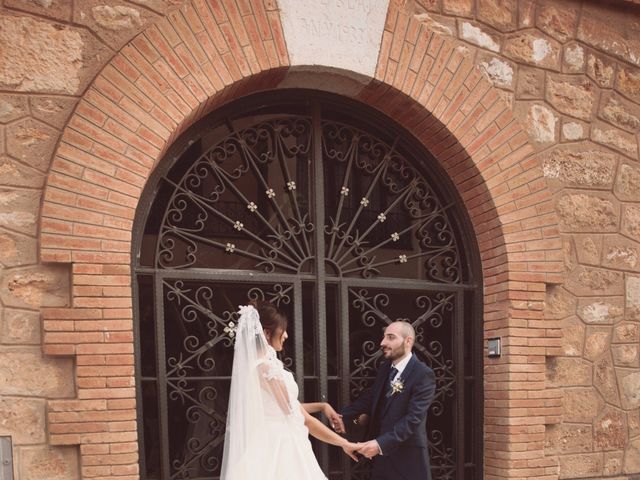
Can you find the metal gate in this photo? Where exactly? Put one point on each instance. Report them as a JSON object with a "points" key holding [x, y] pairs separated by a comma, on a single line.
{"points": [[332, 212]]}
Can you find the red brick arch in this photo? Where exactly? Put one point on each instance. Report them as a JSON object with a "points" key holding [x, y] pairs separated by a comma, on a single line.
{"points": [[207, 53]]}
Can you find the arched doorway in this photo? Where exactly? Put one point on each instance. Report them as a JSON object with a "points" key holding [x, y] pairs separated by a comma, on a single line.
{"points": [[332, 211]]}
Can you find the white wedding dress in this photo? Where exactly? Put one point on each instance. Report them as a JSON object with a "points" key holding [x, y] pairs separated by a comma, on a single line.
{"points": [[266, 436]]}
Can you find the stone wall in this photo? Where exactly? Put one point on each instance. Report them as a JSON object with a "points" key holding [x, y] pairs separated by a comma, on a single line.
{"points": [[50, 52], [569, 70]]}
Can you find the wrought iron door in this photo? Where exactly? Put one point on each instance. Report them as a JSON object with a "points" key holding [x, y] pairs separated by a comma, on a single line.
{"points": [[332, 213]]}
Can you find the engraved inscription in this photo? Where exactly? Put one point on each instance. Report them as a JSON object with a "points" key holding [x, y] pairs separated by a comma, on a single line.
{"points": [[338, 31], [362, 5]]}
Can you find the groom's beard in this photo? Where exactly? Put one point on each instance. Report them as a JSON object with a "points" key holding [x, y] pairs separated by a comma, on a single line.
{"points": [[393, 354]]}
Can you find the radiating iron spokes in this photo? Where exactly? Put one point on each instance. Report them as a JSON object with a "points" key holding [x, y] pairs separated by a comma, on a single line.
{"points": [[378, 188], [270, 223]]}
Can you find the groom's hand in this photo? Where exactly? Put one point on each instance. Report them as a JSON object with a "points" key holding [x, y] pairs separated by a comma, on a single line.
{"points": [[369, 449]]}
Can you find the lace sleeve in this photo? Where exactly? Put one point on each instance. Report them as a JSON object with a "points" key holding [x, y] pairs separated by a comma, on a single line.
{"points": [[271, 374]]}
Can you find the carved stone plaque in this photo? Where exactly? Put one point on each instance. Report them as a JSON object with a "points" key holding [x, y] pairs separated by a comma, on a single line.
{"points": [[335, 33]]}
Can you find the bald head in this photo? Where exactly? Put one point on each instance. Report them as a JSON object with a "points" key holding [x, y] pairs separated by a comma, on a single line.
{"points": [[405, 329]]}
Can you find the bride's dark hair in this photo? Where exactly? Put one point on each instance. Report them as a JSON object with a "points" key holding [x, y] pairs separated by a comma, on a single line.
{"points": [[271, 317]]}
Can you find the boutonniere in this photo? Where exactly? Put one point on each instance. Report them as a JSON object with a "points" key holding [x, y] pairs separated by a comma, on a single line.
{"points": [[397, 386]]}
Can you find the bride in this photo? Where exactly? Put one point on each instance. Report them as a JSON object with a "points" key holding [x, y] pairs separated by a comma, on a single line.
{"points": [[267, 427]]}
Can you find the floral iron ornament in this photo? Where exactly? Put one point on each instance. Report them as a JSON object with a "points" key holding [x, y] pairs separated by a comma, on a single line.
{"points": [[396, 387]]}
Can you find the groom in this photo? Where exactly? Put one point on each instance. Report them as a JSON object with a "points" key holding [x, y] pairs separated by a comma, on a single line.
{"points": [[397, 407]]}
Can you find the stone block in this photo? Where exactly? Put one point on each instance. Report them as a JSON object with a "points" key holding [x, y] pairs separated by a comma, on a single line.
{"points": [[632, 298], [584, 165], [629, 380], [628, 182], [606, 34], [22, 418], [581, 405], [610, 430], [54, 111], [600, 69], [613, 463], [56, 9], [499, 72], [32, 142], [19, 210], [597, 342], [51, 463], [17, 250], [631, 221], [573, 58], [38, 286], [601, 311], [540, 121], [570, 256], [572, 95], [633, 421], [588, 212], [589, 249], [115, 24], [480, 35], [620, 253], [624, 142], [500, 14], [12, 107], [620, 112], [585, 280], [559, 303], [47, 57], [625, 355], [459, 8], [580, 465], [15, 174], [573, 130], [567, 438], [343, 35], [568, 372], [632, 458], [558, 19], [533, 48], [530, 83], [626, 332], [438, 23], [21, 327], [604, 379], [628, 82], [27, 372], [573, 331], [526, 13]]}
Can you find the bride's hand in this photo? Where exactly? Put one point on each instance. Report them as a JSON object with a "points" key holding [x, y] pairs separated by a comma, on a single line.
{"points": [[335, 419], [350, 448]]}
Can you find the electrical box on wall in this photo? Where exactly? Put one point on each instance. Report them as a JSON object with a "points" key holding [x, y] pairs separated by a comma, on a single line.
{"points": [[6, 459], [493, 347]]}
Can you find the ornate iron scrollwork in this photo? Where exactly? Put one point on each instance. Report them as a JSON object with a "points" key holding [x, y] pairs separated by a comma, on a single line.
{"points": [[236, 219]]}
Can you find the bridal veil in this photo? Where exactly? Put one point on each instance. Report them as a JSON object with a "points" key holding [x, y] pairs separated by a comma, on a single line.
{"points": [[257, 389]]}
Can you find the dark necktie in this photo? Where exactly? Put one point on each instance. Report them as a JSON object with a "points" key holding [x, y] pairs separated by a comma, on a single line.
{"points": [[392, 374]]}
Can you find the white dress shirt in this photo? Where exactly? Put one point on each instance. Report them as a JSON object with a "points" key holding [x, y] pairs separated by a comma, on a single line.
{"points": [[401, 365]]}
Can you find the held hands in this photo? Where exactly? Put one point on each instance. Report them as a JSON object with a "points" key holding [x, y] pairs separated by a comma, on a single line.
{"points": [[350, 448], [335, 419], [369, 449]]}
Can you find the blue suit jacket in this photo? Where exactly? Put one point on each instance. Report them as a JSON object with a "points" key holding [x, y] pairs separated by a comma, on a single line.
{"points": [[399, 422]]}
